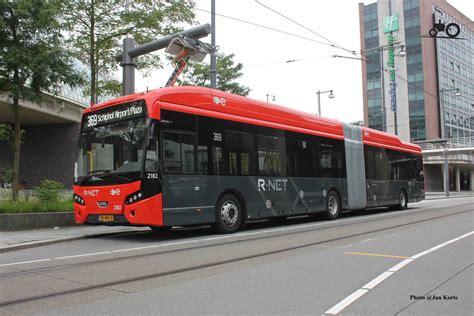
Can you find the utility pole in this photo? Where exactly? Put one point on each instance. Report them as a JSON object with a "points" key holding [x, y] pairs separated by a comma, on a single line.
{"points": [[126, 57], [213, 72]]}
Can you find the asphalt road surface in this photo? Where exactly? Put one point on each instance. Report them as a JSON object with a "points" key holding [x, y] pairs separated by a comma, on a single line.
{"points": [[417, 261]]}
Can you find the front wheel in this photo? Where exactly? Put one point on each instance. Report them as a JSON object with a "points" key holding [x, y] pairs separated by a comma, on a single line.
{"points": [[333, 206], [228, 214]]}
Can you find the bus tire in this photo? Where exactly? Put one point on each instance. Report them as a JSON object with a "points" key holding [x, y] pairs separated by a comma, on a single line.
{"points": [[160, 229], [229, 214], [402, 200], [333, 206]]}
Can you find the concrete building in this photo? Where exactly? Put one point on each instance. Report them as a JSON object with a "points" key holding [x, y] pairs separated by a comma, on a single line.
{"points": [[421, 87], [51, 130]]}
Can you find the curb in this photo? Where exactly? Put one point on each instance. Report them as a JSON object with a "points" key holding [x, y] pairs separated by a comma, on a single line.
{"points": [[38, 243], [444, 197], [25, 221]]}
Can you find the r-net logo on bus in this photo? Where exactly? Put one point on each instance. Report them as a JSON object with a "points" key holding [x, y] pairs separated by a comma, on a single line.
{"points": [[272, 184]]}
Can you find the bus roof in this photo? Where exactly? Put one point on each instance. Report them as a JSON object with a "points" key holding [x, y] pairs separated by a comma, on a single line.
{"points": [[215, 103]]}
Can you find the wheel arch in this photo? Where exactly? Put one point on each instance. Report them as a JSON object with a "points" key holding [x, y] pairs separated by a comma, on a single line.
{"points": [[339, 195], [403, 188], [239, 196]]}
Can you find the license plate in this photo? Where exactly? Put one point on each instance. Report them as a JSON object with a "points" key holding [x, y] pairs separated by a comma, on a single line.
{"points": [[106, 218]]}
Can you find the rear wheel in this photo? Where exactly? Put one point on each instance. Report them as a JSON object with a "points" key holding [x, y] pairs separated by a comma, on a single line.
{"points": [[402, 200], [228, 214], [333, 206]]}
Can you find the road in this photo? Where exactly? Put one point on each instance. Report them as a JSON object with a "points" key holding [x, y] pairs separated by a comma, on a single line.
{"points": [[417, 261]]}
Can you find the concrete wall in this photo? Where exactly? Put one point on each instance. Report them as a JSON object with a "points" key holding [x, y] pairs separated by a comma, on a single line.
{"points": [[47, 153]]}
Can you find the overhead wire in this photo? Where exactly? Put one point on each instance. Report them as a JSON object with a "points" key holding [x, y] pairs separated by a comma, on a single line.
{"points": [[267, 27], [288, 61], [330, 42], [381, 67], [342, 48]]}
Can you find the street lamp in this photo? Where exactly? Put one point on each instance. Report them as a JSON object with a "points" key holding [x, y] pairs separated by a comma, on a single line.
{"points": [[271, 95], [319, 92], [402, 52]]}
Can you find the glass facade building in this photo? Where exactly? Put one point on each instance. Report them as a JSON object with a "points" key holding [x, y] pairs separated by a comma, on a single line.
{"points": [[455, 71], [435, 83]]}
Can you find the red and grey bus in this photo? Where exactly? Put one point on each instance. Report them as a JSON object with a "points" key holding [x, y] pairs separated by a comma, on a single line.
{"points": [[191, 155]]}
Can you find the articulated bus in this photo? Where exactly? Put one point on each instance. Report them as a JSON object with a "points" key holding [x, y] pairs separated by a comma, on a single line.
{"points": [[190, 155]]}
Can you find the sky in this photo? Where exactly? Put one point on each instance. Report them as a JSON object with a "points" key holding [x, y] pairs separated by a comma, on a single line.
{"points": [[264, 52]]}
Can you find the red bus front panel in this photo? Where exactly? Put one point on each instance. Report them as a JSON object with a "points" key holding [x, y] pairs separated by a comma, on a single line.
{"points": [[110, 200]]}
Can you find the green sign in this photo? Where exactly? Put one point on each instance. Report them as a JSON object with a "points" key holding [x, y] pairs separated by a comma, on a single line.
{"points": [[390, 23]]}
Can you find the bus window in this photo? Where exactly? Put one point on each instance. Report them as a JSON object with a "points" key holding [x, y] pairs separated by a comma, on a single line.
{"points": [[400, 165], [300, 155], [151, 159], [171, 153], [238, 148], [331, 159], [376, 163], [271, 156], [178, 152], [187, 153]]}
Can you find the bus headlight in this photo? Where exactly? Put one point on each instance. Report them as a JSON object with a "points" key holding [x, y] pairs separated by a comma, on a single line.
{"points": [[134, 197], [79, 200]]}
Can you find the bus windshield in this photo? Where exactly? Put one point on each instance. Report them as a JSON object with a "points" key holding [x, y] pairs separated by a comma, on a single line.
{"points": [[113, 153]]}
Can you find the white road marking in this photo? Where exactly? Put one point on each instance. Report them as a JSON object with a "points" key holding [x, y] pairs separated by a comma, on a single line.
{"points": [[23, 262], [346, 302], [237, 235], [400, 265], [136, 248], [339, 307], [83, 255], [377, 280]]}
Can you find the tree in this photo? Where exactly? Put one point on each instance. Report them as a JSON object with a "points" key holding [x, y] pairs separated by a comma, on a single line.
{"points": [[7, 133], [32, 59], [97, 27], [227, 74]]}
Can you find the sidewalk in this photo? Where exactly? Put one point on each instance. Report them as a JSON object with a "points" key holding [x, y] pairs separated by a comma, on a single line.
{"points": [[14, 240], [452, 194]]}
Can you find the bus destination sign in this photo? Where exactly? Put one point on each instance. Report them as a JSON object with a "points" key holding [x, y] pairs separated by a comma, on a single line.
{"points": [[117, 113]]}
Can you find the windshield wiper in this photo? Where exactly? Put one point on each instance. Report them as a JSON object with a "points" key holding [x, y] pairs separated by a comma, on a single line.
{"points": [[95, 173], [117, 175]]}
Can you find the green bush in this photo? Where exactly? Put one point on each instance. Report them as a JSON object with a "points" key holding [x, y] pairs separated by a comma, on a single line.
{"points": [[6, 174], [48, 191], [9, 207]]}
